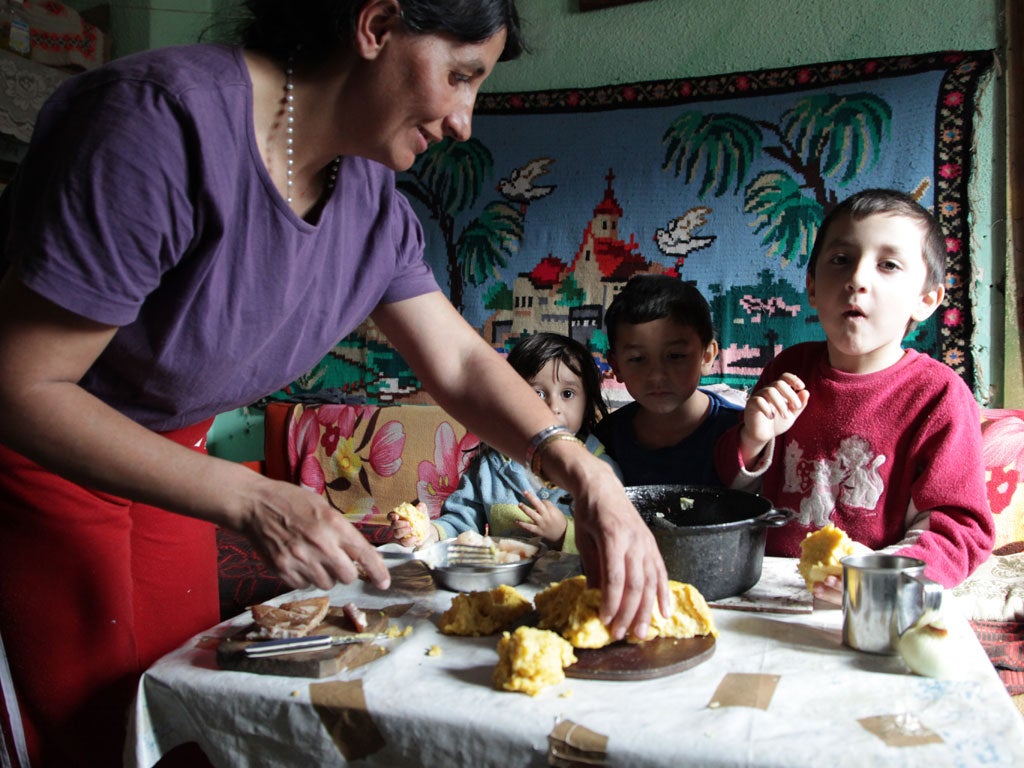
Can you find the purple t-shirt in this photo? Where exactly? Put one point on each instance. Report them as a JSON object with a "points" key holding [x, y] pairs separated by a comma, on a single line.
{"points": [[144, 203]]}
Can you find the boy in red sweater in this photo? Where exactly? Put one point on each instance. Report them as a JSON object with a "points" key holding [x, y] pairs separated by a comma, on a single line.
{"points": [[881, 441]]}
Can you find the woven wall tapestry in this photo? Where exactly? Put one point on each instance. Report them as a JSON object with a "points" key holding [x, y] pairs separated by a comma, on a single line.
{"points": [[561, 196]]}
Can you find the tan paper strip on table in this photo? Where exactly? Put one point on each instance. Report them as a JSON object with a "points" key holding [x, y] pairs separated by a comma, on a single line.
{"points": [[904, 730], [571, 744], [739, 689], [341, 706]]}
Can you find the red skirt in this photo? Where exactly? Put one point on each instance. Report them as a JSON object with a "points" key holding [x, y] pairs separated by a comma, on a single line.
{"points": [[93, 589]]}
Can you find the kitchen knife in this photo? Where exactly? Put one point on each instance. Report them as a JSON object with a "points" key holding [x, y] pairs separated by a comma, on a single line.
{"points": [[304, 644]]}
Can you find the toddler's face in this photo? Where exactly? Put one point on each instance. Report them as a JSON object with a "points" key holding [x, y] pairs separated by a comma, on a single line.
{"points": [[563, 391], [661, 363], [867, 287]]}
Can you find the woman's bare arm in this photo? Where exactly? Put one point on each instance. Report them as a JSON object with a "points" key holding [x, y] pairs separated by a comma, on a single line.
{"points": [[44, 352]]}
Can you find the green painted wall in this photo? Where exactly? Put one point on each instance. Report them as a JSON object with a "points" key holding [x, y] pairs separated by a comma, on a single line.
{"points": [[656, 39]]}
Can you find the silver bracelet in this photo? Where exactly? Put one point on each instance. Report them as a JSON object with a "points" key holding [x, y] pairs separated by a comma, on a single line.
{"points": [[541, 437], [536, 464]]}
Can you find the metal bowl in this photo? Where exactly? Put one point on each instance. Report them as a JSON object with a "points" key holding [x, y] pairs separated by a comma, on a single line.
{"points": [[476, 578]]}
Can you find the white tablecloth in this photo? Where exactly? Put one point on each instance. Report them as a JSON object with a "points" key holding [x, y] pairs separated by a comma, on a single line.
{"points": [[442, 710]]}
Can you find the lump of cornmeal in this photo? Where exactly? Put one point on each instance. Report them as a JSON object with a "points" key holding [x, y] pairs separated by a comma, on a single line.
{"points": [[570, 608], [417, 519], [530, 660], [821, 551], [483, 613]]}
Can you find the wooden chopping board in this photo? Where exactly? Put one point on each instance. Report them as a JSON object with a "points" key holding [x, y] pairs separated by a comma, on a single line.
{"points": [[659, 657], [320, 663]]}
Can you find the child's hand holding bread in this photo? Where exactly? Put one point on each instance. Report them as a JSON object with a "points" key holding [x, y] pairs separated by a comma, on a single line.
{"points": [[410, 525], [820, 563]]}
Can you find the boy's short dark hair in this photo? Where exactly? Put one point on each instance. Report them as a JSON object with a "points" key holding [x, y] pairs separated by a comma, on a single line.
{"points": [[895, 203], [654, 297]]}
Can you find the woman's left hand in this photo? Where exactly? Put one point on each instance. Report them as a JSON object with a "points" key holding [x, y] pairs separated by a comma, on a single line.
{"points": [[618, 550]]}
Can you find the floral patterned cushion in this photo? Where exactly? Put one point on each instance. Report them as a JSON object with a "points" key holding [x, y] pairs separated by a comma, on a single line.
{"points": [[1003, 454], [366, 460], [995, 591]]}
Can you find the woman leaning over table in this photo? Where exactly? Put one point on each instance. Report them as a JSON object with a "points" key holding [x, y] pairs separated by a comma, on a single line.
{"points": [[191, 229]]}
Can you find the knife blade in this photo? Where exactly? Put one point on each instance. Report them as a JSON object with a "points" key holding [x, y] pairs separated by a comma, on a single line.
{"points": [[305, 644]]}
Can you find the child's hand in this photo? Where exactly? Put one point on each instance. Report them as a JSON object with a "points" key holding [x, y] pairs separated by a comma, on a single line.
{"points": [[403, 533], [770, 412], [547, 520], [830, 590]]}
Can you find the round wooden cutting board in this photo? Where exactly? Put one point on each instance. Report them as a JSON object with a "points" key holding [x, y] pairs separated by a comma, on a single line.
{"points": [[659, 657]]}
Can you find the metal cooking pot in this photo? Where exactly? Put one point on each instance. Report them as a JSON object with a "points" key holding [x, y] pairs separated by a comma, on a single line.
{"points": [[710, 537]]}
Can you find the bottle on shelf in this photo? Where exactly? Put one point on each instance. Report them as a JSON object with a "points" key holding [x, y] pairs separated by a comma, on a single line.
{"points": [[14, 29]]}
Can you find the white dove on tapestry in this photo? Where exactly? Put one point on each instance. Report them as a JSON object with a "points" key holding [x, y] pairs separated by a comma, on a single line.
{"points": [[677, 239], [519, 186]]}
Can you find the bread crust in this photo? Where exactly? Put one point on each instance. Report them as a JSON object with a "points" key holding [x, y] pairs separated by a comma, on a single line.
{"points": [[292, 619]]}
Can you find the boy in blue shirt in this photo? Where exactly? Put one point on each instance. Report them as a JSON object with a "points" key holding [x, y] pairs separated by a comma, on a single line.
{"points": [[661, 342]]}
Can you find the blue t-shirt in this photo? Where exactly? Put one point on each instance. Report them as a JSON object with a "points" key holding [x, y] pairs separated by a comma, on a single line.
{"points": [[689, 462], [143, 203]]}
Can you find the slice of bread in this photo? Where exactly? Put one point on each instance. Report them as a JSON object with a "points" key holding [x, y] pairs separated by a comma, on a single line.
{"points": [[571, 608], [294, 619], [822, 551], [529, 660], [473, 614]]}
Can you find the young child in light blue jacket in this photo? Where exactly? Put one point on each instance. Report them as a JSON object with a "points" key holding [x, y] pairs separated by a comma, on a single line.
{"points": [[501, 496]]}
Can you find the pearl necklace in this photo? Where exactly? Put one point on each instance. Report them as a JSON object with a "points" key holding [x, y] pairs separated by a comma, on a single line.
{"points": [[289, 139]]}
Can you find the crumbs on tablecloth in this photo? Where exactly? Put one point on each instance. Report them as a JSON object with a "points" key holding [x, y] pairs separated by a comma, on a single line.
{"points": [[393, 631], [434, 650], [565, 694]]}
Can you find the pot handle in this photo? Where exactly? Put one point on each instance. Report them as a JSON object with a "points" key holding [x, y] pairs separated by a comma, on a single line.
{"points": [[775, 518]]}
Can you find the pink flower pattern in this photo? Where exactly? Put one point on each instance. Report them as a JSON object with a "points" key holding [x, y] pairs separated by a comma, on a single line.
{"points": [[1002, 454], [334, 428], [439, 478]]}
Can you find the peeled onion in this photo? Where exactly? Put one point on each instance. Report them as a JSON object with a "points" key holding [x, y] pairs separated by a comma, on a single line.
{"points": [[930, 649]]}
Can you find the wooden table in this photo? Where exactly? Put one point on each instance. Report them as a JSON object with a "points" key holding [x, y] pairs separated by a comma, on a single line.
{"points": [[779, 690]]}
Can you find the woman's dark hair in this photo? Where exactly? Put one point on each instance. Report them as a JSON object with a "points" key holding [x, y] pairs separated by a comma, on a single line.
{"points": [[534, 352], [655, 297], [311, 31]]}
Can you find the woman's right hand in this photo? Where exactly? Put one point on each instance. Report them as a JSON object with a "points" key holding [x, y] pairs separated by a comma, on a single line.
{"points": [[307, 541], [48, 417]]}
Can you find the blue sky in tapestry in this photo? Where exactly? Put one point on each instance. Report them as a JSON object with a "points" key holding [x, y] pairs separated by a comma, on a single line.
{"points": [[754, 282]]}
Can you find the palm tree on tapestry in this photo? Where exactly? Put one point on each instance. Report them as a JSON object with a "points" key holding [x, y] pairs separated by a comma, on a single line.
{"points": [[824, 138], [447, 179]]}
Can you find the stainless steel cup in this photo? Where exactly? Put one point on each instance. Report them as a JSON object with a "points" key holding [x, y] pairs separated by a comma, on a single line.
{"points": [[882, 596]]}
